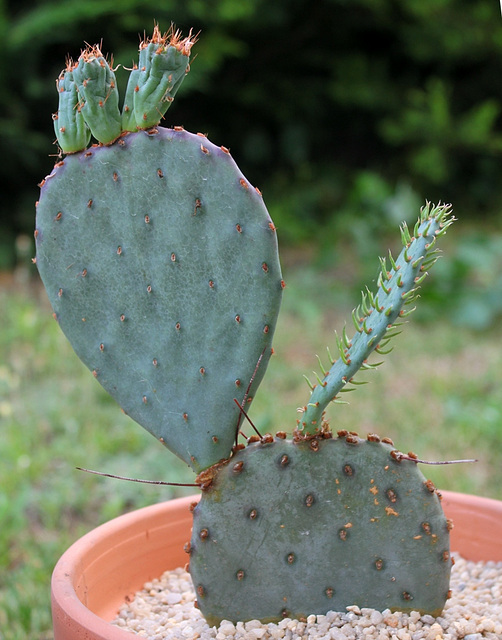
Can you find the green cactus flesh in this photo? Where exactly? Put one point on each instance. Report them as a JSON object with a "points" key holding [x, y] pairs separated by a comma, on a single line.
{"points": [[289, 529], [97, 88], [69, 124], [160, 261]]}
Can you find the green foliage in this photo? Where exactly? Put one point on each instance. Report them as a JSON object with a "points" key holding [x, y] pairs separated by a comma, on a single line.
{"points": [[407, 91], [432, 132], [469, 283]]}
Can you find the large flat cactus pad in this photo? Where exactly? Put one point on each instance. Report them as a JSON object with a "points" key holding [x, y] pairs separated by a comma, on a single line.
{"points": [[160, 262]]}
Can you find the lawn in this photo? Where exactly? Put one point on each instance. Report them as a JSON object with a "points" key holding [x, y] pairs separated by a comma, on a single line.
{"points": [[438, 394]]}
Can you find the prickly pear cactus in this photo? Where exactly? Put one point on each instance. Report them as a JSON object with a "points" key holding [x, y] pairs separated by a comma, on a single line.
{"points": [[158, 257], [293, 528], [160, 261]]}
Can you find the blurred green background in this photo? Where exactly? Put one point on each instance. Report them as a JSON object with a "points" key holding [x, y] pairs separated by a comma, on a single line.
{"points": [[331, 107], [347, 114]]}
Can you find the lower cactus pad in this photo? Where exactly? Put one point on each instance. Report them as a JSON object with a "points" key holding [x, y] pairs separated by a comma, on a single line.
{"points": [[289, 529]]}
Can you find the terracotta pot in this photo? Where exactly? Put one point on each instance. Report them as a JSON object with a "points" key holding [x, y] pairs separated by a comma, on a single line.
{"points": [[94, 577]]}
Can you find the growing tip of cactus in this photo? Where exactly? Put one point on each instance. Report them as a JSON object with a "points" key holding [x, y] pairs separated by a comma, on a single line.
{"points": [[97, 89], [163, 64], [89, 98], [70, 127]]}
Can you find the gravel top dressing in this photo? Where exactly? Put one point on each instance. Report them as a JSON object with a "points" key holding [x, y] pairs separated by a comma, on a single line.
{"points": [[164, 609]]}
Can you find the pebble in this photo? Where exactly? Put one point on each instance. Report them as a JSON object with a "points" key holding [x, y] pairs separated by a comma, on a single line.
{"points": [[164, 610]]}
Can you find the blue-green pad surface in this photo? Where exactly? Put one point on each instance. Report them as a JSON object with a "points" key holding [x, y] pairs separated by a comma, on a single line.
{"points": [[287, 530], [160, 262]]}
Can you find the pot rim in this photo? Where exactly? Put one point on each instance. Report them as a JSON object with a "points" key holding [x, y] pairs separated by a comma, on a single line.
{"points": [[66, 604]]}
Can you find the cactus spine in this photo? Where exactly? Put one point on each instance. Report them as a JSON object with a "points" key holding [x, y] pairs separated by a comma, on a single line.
{"points": [[160, 261]]}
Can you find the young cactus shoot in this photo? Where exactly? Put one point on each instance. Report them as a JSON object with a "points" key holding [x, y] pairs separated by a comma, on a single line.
{"points": [[89, 99], [160, 261], [377, 317]]}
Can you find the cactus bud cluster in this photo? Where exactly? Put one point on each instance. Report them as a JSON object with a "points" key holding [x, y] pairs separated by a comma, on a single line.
{"points": [[89, 98]]}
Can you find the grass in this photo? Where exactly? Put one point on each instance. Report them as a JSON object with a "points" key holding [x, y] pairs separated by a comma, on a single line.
{"points": [[437, 394]]}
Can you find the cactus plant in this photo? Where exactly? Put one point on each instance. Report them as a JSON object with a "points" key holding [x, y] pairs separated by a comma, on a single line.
{"points": [[160, 261]]}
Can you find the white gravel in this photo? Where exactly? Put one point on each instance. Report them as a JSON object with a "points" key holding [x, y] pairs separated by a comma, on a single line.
{"points": [[164, 610]]}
